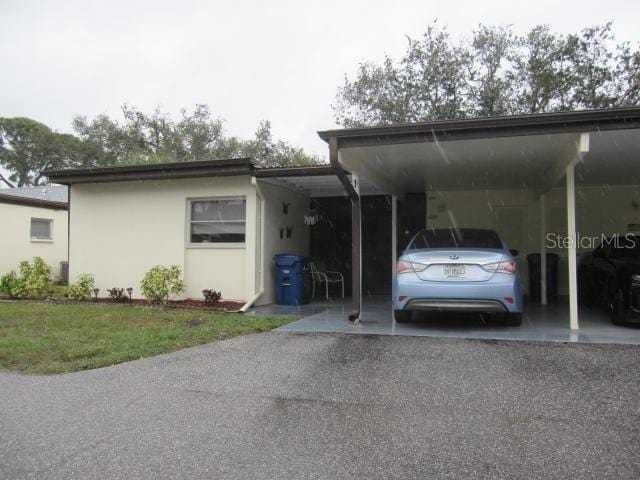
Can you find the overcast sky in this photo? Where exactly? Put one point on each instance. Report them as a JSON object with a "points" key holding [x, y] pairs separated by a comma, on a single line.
{"points": [[249, 60]]}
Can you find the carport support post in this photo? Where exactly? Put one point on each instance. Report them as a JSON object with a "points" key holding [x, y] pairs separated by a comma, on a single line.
{"points": [[571, 252], [352, 189], [356, 259], [543, 249], [394, 244]]}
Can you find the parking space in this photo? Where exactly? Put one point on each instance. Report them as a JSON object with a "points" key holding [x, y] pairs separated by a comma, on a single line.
{"points": [[558, 190], [540, 323]]}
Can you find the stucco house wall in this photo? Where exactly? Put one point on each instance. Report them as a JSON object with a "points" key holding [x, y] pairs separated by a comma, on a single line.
{"points": [[594, 216], [15, 237], [120, 230], [275, 220]]}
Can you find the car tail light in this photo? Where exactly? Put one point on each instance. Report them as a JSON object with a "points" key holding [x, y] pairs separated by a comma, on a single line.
{"points": [[406, 267], [504, 267]]}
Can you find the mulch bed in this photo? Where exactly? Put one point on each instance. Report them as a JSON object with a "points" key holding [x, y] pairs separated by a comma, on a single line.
{"points": [[224, 305]]}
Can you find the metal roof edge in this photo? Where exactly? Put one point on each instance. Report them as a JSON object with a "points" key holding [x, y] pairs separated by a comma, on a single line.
{"points": [[532, 122], [33, 202], [155, 171]]}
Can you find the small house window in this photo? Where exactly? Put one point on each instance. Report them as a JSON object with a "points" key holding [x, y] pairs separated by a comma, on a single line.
{"points": [[217, 221], [41, 229]]}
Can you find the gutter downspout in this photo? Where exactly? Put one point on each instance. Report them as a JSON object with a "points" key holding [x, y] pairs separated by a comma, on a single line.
{"points": [[356, 230], [258, 294]]}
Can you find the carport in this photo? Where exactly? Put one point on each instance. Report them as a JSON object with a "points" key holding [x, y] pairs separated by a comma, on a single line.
{"points": [[566, 174]]}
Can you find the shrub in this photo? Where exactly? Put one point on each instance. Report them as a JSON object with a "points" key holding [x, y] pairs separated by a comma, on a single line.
{"points": [[83, 288], [161, 282], [211, 296], [34, 279], [36, 276], [117, 294], [12, 285]]}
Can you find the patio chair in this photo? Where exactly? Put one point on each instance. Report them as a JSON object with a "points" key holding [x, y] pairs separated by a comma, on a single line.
{"points": [[327, 277]]}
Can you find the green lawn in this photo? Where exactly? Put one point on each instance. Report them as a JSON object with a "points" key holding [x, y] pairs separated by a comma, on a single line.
{"points": [[39, 338]]}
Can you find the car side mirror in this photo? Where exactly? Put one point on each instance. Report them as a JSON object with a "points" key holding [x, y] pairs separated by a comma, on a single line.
{"points": [[514, 252]]}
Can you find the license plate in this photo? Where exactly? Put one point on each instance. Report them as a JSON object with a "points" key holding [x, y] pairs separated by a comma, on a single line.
{"points": [[454, 270]]}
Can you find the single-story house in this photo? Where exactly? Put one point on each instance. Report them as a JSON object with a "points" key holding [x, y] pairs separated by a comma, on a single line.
{"points": [[34, 224], [533, 178], [214, 219]]}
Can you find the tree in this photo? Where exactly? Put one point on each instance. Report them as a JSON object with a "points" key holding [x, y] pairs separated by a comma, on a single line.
{"points": [[538, 74], [428, 81], [26, 148], [196, 135], [4, 180], [273, 153], [490, 85], [593, 69], [493, 73], [627, 89]]}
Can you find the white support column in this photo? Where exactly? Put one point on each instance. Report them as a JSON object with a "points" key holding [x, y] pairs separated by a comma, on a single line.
{"points": [[543, 249], [571, 252], [394, 244]]}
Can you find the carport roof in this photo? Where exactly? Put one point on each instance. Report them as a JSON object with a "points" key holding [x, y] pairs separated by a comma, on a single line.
{"points": [[486, 127], [523, 151]]}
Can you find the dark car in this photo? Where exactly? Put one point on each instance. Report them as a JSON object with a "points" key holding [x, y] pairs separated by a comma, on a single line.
{"points": [[609, 277]]}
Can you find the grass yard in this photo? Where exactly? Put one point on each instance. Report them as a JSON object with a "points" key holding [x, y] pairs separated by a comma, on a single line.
{"points": [[40, 338]]}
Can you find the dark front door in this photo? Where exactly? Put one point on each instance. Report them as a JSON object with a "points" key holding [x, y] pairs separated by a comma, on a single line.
{"points": [[331, 237], [376, 245]]}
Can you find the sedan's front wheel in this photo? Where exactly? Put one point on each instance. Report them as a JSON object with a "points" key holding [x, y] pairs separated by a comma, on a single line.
{"points": [[402, 316]]}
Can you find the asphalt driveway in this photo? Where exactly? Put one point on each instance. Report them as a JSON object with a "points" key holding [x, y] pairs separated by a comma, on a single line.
{"points": [[281, 405]]}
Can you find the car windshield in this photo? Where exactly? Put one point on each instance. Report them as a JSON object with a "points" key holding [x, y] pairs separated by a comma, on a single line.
{"points": [[456, 238]]}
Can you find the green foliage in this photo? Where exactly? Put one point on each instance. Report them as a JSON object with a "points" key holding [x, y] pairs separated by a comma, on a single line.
{"points": [[34, 280], [11, 284], [197, 135], [211, 296], [28, 147], [493, 73], [118, 295], [36, 276], [83, 288], [159, 283]]}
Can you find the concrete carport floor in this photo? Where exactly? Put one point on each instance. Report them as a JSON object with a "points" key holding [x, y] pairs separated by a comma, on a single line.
{"points": [[542, 181], [540, 323]]}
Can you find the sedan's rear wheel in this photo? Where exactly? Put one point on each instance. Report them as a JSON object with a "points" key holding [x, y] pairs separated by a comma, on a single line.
{"points": [[513, 319], [583, 293], [402, 316], [617, 309]]}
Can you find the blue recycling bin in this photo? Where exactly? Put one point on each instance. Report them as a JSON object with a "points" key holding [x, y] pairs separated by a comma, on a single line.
{"points": [[290, 275]]}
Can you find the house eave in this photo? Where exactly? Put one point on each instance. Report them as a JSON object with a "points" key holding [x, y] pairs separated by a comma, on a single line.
{"points": [[33, 202], [162, 171], [309, 171]]}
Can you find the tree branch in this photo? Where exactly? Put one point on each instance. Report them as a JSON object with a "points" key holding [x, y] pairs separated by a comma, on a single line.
{"points": [[9, 184]]}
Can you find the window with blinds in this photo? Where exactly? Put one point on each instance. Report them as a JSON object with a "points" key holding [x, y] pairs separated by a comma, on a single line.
{"points": [[217, 221]]}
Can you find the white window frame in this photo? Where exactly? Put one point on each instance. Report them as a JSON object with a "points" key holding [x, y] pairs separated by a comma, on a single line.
{"points": [[214, 244], [41, 239]]}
